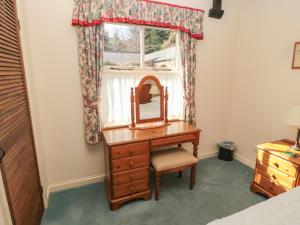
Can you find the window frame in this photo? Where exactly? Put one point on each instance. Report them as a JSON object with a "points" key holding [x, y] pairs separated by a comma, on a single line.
{"points": [[142, 69]]}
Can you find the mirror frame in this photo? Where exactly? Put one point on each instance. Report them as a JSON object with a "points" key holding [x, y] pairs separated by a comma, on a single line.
{"points": [[137, 100]]}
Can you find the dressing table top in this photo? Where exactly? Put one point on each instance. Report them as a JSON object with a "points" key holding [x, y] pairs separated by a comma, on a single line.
{"points": [[117, 136]]}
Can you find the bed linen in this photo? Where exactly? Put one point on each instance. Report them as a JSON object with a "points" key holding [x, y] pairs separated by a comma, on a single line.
{"points": [[283, 209]]}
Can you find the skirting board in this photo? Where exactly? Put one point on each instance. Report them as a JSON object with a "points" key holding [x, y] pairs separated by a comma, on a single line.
{"points": [[244, 160], [61, 186], [100, 177], [237, 157], [206, 155]]}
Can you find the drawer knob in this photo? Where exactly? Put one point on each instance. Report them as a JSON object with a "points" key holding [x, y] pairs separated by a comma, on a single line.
{"points": [[131, 176], [131, 163], [276, 164], [131, 188], [274, 177]]}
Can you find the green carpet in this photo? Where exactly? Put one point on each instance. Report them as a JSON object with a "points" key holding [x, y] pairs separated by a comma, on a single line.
{"points": [[222, 188]]}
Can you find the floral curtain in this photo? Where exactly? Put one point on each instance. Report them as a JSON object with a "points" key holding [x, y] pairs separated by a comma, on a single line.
{"points": [[90, 45], [143, 12], [88, 15], [188, 63]]}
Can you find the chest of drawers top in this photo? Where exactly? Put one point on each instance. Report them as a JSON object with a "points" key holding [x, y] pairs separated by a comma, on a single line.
{"points": [[125, 135], [281, 149]]}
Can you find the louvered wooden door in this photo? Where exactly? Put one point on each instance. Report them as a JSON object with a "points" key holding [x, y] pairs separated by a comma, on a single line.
{"points": [[17, 151]]}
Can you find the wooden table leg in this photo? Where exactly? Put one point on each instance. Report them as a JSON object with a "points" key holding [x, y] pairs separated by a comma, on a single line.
{"points": [[195, 150], [193, 176], [194, 168], [180, 174], [157, 185]]}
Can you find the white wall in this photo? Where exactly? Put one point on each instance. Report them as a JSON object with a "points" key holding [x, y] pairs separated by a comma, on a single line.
{"points": [[33, 95], [5, 218], [244, 81], [3, 214], [50, 50], [265, 86], [215, 70]]}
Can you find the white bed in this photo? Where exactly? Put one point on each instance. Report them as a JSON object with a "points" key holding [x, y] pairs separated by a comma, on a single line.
{"points": [[280, 210]]}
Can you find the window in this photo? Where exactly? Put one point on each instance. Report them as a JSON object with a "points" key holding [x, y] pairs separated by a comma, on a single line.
{"points": [[130, 53], [121, 45], [128, 47], [160, 49]]}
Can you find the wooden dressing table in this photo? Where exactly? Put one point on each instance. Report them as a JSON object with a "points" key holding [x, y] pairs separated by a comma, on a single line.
{"points": [[127, 158]]}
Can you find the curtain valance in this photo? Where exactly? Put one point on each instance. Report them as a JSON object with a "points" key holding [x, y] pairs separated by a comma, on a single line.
{"points": [[142, 12]]}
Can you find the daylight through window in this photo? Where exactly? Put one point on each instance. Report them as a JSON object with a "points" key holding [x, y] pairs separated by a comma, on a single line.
{"points": [[140, 48]]}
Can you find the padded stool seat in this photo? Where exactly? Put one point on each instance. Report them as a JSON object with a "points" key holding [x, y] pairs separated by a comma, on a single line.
{"points": [[173, 160]]}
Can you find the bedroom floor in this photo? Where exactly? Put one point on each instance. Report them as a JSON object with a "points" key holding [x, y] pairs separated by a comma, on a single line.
{"points": [[222, 188]]}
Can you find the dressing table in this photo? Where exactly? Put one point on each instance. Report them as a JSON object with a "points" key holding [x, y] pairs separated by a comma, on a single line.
{"points": [[127, 151]]}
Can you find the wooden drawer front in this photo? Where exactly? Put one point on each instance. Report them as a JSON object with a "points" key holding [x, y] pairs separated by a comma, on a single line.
{"points": [[130, 163], [131, 188], [277, 162], [172, 140], [130, 176], [123, 151], [268, 185], [275, 175]]}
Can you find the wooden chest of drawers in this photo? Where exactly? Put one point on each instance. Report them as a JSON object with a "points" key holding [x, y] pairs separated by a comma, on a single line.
{"points": [[277, 168], [128, 172]]}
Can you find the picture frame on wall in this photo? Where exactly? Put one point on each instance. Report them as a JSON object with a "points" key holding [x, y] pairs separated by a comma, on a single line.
{"points": [[296, 56]]}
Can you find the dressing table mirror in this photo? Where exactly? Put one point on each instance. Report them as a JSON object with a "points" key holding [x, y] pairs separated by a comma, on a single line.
{"points": [[149, 104]]}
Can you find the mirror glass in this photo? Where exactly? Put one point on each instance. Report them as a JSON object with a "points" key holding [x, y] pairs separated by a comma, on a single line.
{"points": [[149, 100]]}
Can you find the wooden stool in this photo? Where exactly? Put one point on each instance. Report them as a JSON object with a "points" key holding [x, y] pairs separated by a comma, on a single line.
{"points": [[170, 161]]}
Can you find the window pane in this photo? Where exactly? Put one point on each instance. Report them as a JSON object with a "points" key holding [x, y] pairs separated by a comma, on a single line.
{"points": [[121, 45], [160, 49]]}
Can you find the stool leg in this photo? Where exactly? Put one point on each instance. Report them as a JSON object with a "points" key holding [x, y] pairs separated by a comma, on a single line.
{"points": [[193, 176], [157, 185], [180, 174]]}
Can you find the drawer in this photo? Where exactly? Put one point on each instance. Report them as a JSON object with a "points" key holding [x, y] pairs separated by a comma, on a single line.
{"points": [[275, 175], [133, 162], [269, 185], [172, 140], [277, 163], [127, 150], [130, 176], [131, 188]]}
